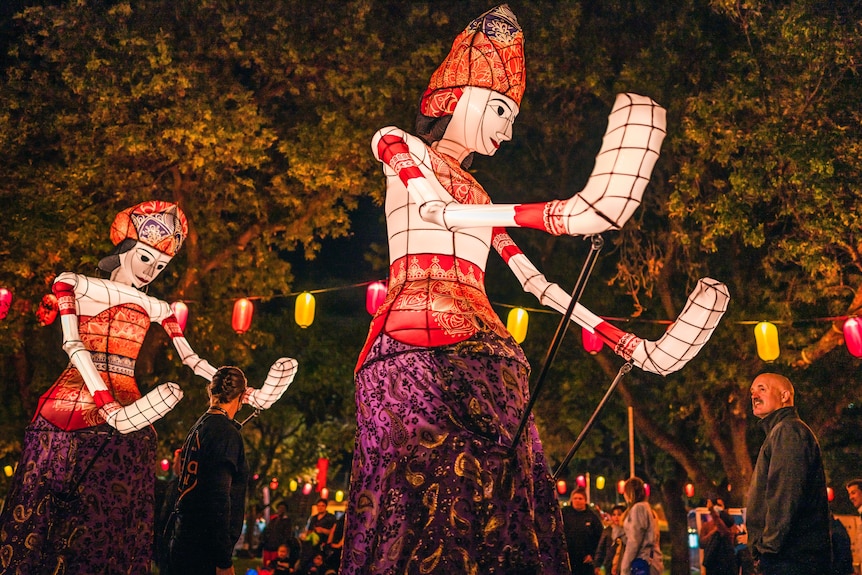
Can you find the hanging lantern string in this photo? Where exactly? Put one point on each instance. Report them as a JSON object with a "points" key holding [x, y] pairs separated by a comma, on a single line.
{"points": [[790, 322]]}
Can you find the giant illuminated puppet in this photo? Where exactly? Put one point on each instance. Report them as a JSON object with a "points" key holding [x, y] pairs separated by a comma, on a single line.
{"points": [[441, 384], [81, 500]]}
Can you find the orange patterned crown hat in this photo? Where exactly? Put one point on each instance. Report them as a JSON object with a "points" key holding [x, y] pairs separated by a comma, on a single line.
{"points": [[489, 53], [161, 225]]}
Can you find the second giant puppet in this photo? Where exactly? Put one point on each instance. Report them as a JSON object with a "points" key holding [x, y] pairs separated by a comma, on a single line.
{"points": [[81, 500], [441, 385]]}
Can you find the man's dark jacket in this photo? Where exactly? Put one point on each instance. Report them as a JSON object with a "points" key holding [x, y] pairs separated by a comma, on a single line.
{"points": [[788, 511]]}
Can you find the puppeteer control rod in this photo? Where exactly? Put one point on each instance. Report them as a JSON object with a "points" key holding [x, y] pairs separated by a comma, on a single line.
{"points": [[596, 244], [626, 367]]}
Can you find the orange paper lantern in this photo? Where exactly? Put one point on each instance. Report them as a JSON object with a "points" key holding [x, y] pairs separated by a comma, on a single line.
{"points": [[562, 487], [242, 312], [689, 490]]}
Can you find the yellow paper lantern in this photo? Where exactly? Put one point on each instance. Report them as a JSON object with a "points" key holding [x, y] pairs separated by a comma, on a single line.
{"points": [[517, 323], [766, 336], [600, 482], [304, 310], [339, 496]]}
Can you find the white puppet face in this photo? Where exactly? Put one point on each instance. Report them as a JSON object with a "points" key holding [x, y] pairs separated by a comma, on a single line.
{"points": [[140, 265], [482, 120]]}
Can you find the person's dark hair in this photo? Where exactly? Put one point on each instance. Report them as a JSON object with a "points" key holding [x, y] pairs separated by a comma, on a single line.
{"points": [[581, 490], [431, 130], [618, 507], [857, 483], [634, 488], [323, 500], [227, 384]]}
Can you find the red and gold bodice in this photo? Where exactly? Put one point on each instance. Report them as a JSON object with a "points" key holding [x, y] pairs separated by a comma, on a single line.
{"points": [[114, 338], [436, 299]]}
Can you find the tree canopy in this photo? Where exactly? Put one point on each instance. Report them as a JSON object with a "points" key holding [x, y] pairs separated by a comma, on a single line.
{"points": [[256, 116]]}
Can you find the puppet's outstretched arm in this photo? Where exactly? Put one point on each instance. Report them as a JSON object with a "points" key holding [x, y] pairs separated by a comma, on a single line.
{"points": [[679, 344], [630, 148], [280, 376], [125, 419]]}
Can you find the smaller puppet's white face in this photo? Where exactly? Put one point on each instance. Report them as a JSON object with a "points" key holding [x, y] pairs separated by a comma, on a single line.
{"points": [[140, 265], [482, 120]]}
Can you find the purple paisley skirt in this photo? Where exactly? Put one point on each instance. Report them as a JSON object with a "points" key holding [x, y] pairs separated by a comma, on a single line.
{"points": [[65, 516], [433, 486]]}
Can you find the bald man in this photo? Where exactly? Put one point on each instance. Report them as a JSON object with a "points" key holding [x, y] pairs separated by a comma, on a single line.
{"points": [[788, 513]]}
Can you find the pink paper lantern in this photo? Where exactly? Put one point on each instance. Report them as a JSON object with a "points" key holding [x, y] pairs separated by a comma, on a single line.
{"points": [[592, 342], [853, 336], [181, 312], [5, 302], [375, 294]]}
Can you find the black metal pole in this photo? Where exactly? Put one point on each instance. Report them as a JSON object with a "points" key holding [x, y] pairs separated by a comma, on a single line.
{"points": [[626, 367], [596, 243]]}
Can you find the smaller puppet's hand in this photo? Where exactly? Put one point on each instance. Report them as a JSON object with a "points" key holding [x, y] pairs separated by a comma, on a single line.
{"points": [[141, 413], [280, 376]]}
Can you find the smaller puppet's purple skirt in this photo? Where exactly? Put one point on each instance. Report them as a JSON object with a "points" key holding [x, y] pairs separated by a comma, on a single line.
{"points": [[81, 502], [433, 486]]}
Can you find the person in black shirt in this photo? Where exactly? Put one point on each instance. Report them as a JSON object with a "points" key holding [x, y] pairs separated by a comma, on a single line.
{"points": [[209, 514]]}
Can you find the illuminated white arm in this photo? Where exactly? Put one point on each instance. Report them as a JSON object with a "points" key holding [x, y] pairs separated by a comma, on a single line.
{"points": [[278, 379], [630, 149], [679, 344]]}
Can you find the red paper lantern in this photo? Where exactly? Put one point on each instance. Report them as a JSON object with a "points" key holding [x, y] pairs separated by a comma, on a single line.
{"points": [[324, 493], [48, 308], [581, 481], [374, 296], [830, 493], [592, 342], [243, 309], [853, 336], [621, 486], [181, 312], [562, 487], [5, 302], [273, 484], [306, 489], [165, 464], [646, 489], [304, 313], [322, 469], [689, 490]]}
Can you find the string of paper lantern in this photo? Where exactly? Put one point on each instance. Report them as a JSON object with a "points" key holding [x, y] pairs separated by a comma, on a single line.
{"points": [[765, 332]]}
